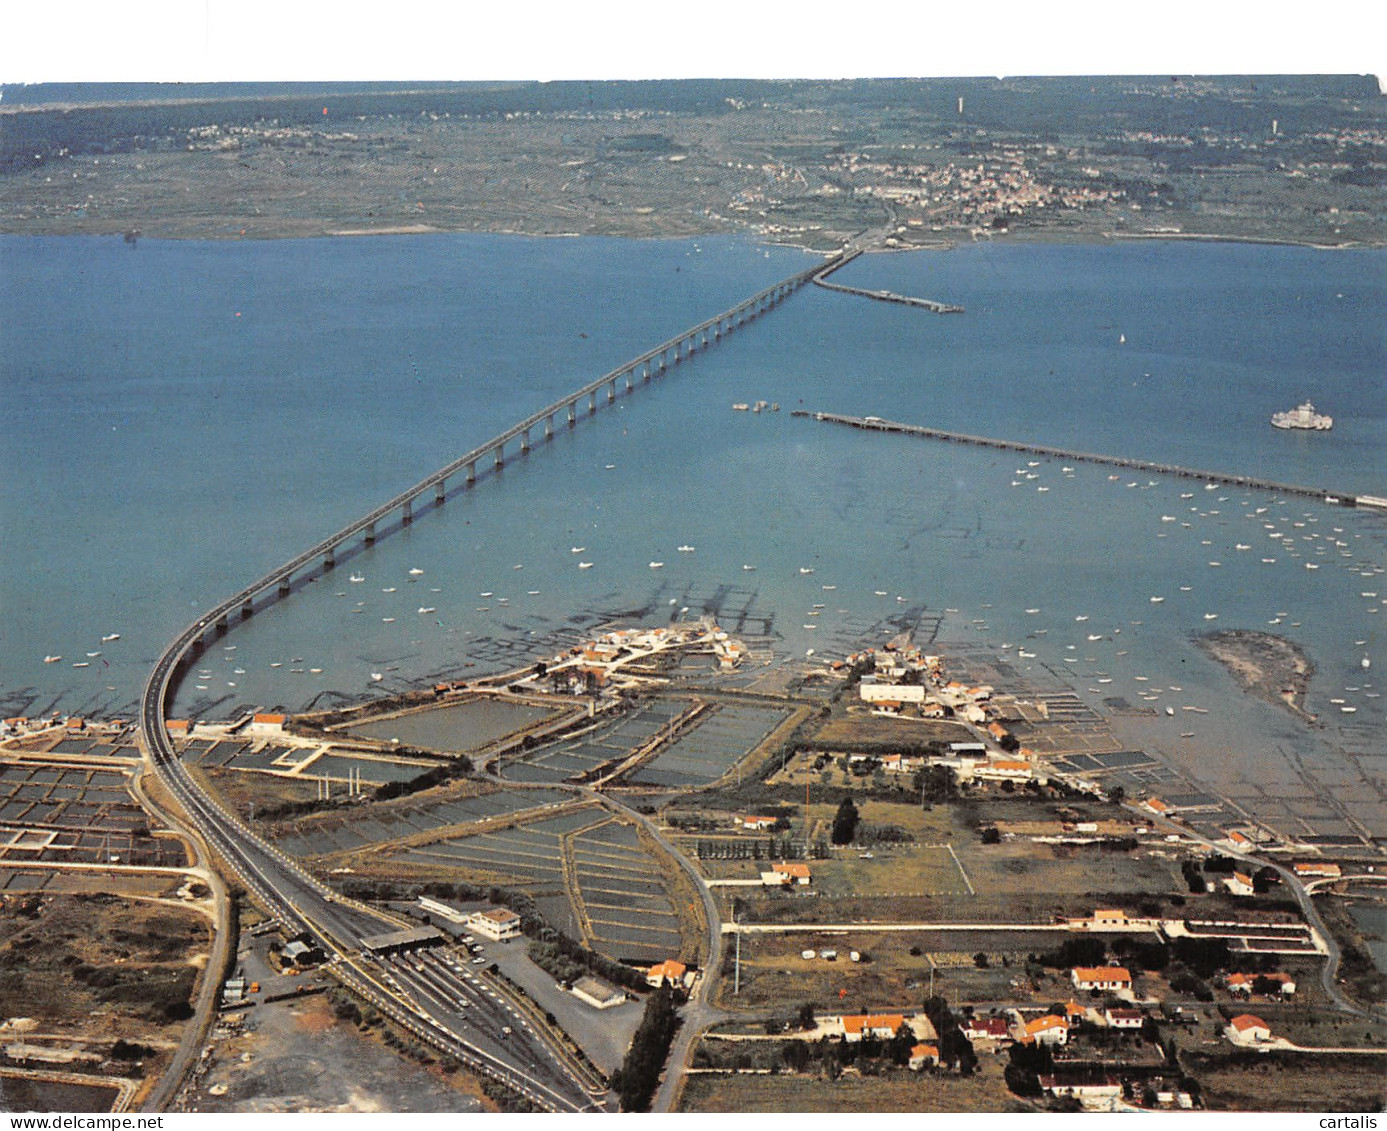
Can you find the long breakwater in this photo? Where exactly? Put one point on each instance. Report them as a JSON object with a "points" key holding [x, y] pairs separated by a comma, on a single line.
{"points": [[877, 424]]}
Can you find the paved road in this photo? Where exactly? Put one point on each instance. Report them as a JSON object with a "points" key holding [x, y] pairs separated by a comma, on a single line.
{"points": [[205, 1009], [301, 903], [697, 1015], [1329, 972]]}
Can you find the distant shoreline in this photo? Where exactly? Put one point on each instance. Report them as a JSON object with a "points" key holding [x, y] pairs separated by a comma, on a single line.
{"points": [[218, 233]]}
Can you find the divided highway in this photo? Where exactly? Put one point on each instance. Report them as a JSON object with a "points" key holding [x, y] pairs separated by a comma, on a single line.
{"points": [[536, 1067]]}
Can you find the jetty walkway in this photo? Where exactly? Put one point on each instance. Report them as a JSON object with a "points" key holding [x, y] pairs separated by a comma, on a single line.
{"points": [[877, 424], [880, 296]]}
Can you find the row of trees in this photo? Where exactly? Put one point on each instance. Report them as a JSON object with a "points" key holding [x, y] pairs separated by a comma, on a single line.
{"points": [[458, 767], [568, 960], [636, 1079]]}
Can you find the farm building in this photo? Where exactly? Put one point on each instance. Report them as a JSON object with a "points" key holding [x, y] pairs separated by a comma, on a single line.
{"points": [[597, 993]]}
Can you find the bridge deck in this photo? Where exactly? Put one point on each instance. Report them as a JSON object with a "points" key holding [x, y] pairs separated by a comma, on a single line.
{"points": [[882, 296]]}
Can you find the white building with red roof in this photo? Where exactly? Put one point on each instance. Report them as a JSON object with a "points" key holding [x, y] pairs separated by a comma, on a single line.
{"points": [[671, 971], [986, 1029], [495, 923], [923, 1055], [1245, 1029], [1101, 978], [1048, 1030]]}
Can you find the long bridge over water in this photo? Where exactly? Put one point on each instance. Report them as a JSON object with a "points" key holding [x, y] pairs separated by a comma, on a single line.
{"points": [[877, 424], [567, 411], [821, 279], [542, 1072], [297, 899]]}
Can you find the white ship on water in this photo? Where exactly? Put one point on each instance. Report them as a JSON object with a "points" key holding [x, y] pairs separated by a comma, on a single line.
{"points": [[1303, 416]]}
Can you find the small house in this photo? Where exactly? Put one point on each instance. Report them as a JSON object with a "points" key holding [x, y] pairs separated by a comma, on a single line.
{"points": [[1245, 1029], [1114, 978], [923, 1056], [671, 971]]}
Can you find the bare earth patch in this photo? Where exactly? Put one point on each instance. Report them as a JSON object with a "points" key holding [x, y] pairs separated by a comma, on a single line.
{"points": [[1271, 667]]}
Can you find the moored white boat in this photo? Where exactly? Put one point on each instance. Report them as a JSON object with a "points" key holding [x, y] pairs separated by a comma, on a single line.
{"points": [[1303, 417]]}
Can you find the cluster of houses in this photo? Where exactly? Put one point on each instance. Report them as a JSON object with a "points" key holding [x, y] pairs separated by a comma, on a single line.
{"points": [[1245, 985], [976, 193], [909, 682], [994, 1032], [852, 1028], [905, 677], [257, 724], [1097, 1090], [591, 665], [1240, 882]]}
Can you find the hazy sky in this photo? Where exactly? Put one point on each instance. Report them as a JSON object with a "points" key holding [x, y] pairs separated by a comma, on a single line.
{"points": [[212, 40]]}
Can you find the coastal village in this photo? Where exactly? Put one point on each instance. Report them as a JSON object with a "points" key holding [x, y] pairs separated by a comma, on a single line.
{"points": [[1084, 1007], [674, 866]]}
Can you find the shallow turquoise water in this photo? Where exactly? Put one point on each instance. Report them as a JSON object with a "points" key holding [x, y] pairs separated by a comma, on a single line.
{"points": [[185, 415]]}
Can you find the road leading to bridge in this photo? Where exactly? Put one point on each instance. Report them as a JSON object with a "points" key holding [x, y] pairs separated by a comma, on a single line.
{"points": [[423, 999]]}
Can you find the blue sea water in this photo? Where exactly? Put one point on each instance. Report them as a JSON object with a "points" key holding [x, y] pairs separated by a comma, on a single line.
{"points": [[182, 416]]}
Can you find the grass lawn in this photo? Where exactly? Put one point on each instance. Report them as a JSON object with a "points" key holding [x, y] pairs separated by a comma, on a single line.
{"points": [[911, 869]]}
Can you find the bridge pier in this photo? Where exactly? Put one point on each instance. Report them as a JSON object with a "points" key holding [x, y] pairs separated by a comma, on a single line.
{"points": [[247, 607], [371, 535], [330, 558], [592, 402], [284, 586], [500, 456], [221, 623], [549, 427], [572, 415], [611, 392], [440, 491], [630, 381], [407, 513], [471, 473], [525, 441]]}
